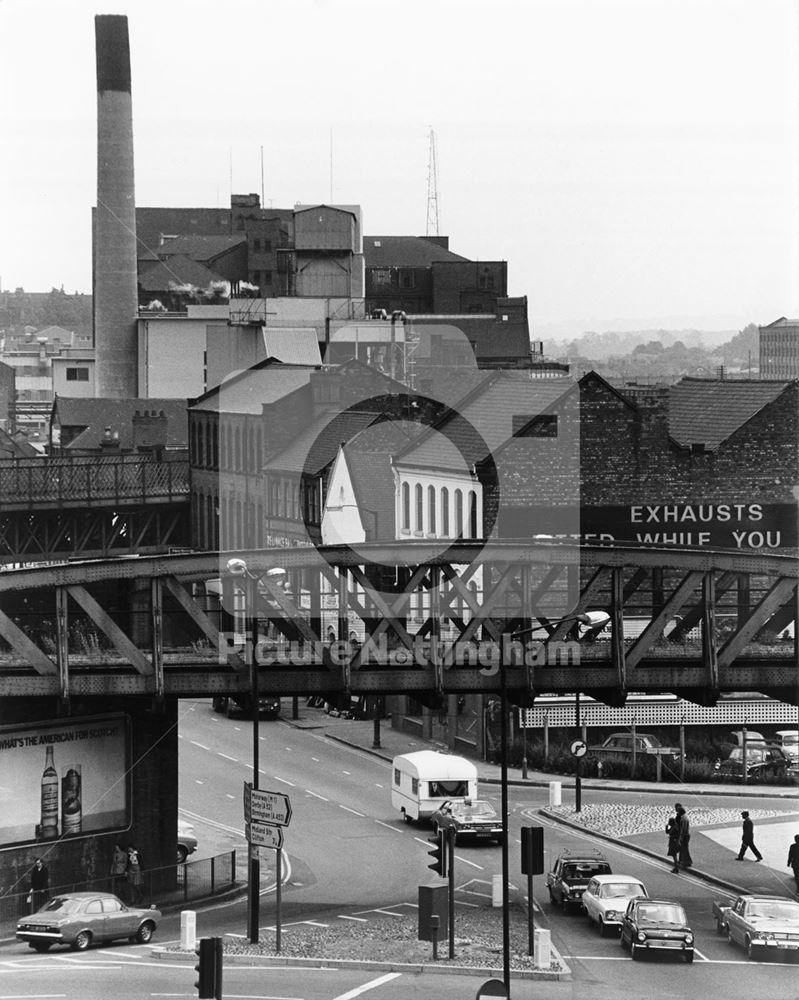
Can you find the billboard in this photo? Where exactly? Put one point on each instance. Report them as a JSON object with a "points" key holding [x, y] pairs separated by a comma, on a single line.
{"points": [[64, 778]]}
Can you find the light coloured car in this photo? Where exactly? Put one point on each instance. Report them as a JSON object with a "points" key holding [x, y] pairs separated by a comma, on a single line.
{"points": [[79, 919], [187, 840], [606, 897]]}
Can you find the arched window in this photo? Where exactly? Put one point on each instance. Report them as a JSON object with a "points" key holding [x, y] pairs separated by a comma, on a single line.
{"points": [[458, 514], [200, 445], [419, 497], [237, 449], [209, 458], [431, 509], [472, 514], [215, 445], [445, 512], [406, 507]]}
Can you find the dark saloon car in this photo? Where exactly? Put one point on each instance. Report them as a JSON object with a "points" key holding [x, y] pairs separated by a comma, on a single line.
{"points": [[656, 925], [763, 763], [470, 818], [570, 875], [78, 919]]}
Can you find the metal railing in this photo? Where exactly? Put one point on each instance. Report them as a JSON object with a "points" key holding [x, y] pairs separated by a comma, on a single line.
{"points": [[170, 886]]}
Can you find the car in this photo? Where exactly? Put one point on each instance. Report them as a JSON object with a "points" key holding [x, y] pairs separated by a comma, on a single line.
{"points": [[79, 919], [606, 897], [268, 708], [187, 840], [570, 874], [763, 925], [620, 747], [652, 925], [740, 736], [764, 762], [788, 740], [470, 818]]}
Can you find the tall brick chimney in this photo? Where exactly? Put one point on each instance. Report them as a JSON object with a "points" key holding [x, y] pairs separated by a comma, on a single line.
{"points": [[115, 282]]}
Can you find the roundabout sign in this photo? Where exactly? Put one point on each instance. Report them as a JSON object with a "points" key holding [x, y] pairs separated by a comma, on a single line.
{"points": [[578, 748]]}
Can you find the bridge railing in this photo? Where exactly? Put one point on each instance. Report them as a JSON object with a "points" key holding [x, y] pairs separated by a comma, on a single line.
{"points": [[84, 478]]}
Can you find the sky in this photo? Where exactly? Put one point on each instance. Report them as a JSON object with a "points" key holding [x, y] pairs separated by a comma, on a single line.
{"points": [[635, 162]]}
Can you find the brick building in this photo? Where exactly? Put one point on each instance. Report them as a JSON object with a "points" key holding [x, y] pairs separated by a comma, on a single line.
{"points": [[779, 349]]}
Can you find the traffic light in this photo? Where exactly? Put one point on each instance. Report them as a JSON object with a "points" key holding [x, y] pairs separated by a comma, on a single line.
{"points": [[532, 850], [206, 967], [439, 853]]}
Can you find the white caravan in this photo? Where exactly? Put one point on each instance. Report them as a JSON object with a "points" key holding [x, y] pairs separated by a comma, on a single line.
{"points": [[421, 782]]}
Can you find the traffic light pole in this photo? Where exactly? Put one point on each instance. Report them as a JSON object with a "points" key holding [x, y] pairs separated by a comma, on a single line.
{"points": [[450, 848], [254, 884]]}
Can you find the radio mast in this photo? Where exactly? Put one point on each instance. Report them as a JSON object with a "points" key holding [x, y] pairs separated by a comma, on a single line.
{"points": [[432, 228]]}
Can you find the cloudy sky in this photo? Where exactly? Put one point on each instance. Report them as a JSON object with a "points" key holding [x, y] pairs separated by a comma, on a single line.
{"points": [[636, 162]]}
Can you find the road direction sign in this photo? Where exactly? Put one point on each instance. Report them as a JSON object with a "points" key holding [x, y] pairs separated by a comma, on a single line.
{"points": [[260, 806], [264, 836], [579, 748]]}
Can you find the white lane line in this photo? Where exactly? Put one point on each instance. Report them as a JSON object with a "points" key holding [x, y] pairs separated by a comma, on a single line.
{"points": [[316, 760], [378, 785], [249, 766], [230, 796], [344, 916], [197, 781], [467, 862], [315, 923], [284, 780], [351, 994], [388, 826], [235, 760], [353, 811], [388, 913], [462, 902], [202, 746], [316, 795], [420, 841]]}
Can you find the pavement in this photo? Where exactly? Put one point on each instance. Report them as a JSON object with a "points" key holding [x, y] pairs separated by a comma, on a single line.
{"points": [[716, 830]]}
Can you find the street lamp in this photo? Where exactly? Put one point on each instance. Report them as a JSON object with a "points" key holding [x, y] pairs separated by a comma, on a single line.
{"points": [[238, 567]]}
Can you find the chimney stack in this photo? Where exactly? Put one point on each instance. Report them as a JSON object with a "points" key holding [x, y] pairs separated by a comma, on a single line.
{"points": [[115, 281]]}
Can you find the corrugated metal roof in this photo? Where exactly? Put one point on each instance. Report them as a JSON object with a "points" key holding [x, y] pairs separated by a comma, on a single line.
{"points": [[708, 411], [292, 345], [246, 391]]}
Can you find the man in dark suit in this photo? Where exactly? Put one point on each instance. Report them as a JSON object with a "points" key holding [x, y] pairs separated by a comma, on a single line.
{"points": [[748, 839], [793, 859]]}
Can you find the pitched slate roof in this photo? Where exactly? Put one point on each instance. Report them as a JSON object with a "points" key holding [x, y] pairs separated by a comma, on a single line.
{"points": [[710, 410], [292, 345], [314, 448], [199, 247], [246, 391], [404, 251], [95, 414], [180, 270]]}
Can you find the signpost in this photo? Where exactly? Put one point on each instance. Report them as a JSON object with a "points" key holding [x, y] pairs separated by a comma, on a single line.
{"points": [[264, 836], [260, 806], [265, 814]]}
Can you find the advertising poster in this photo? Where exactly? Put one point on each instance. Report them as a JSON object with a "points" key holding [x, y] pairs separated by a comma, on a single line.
{"points": [[63, 779]]}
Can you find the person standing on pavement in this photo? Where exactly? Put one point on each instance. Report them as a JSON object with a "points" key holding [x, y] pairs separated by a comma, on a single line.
{"points": [[683, 857], [793, 859], [134, 875], [673, 833], [748, 839], [40, 883], [119, 866]]}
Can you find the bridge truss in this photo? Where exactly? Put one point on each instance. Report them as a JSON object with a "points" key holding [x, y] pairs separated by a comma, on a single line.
{"points": [[405, 618]]}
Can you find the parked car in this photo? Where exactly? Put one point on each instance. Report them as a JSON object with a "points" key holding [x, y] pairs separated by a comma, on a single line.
{"points": [[656, 925], [752, 736], [620, 747], [606, 897], [764, 762], [763, 925], [470, 818], [788, 739], [570, 875], [269, 708], [187, 840], [78, 919]]}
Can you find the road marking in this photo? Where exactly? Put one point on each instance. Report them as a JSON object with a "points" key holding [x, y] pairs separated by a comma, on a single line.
{"points": [[316, 760], [202, 746], [197, 781], [315, 923], [467, 862], [284, 780], [378, 785], [235, 760], [344, 916], [388, 826], [388, 913], [462, 902], [347, 772], [368, 986], [230, 796], [316, 795], [353, 811]]}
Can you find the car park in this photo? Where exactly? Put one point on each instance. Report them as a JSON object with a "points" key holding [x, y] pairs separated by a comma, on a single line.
{"points": [[764, 762], [472, 818], [187, 840], [651, 925], [79, 919], [619, 746], [606, 897], [570, 874], [763, 925]]}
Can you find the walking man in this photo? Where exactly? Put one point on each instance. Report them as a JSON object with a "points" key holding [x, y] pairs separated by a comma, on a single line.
{"points": [[793, 859], [40, 883], [748, 839], [683, 857]]}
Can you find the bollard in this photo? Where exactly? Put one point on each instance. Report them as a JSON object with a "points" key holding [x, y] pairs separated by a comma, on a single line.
{"points": [[496, 890], [554, 793], [542, 948], [188, 930]]}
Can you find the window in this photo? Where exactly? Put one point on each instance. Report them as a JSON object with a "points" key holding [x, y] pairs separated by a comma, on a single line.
{"points": [[419, 507], [94, 906], [431, 509], [256, 246], [406, 507], [77, 374], [407, 279], [472, 514], [458, 514], [445, 512], [396, 775], [381, 276], [414, 786], [266, 277]]}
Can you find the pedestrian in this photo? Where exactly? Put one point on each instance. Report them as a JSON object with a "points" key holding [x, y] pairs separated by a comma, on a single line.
{"points": [[119, 866], [683, 857], [40, 883], [134, 875], [793, 859], [748, 839], [673, 833]]}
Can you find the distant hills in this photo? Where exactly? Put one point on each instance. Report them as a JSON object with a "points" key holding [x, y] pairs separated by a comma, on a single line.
{"points": [[603, 346]]}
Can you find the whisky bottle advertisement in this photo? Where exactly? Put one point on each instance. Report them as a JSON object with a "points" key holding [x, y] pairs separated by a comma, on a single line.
{"points": [[48, 827], [71, 808]]}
